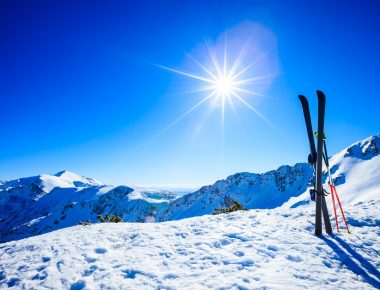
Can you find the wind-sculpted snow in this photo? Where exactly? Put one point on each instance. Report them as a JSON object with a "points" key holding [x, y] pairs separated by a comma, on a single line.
{"points": [[256, 249]]}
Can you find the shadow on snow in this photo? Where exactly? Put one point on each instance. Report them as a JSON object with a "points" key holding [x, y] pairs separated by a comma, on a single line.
{"points": [[353, 260]]}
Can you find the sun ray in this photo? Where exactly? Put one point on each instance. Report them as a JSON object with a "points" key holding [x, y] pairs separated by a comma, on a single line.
{"points": [[214, 61], [231, 103], [246, 68], [200, 90], [249, 92], [186, 74], [242, 54], [202, 67], [185, 114], [250, 80], [253, 109], [225, 57]]}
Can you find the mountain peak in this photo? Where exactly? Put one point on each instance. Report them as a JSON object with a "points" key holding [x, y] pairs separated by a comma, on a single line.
{"points": [[66, 173], [75, 178]]}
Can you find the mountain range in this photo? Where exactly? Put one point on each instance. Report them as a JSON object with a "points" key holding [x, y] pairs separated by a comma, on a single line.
{"points": [[40, 204]]}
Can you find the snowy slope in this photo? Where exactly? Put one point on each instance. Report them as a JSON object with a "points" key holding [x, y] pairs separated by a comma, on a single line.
{"points": [[355, 172], [39, 204], [256, 249]]}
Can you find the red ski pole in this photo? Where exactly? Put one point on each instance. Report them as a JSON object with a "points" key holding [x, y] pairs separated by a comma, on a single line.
{"points": [[333, 201], [341, 209]]}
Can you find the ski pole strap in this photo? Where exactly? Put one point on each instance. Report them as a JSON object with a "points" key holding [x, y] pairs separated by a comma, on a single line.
{"points": [[324, 192], [314, 191]]}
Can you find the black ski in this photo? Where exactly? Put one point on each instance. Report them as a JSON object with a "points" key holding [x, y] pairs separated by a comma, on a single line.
{"points": [[321, 207], [309, 128]]}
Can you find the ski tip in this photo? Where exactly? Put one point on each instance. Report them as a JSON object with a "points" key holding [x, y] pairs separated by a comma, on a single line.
{"points": [[320, 94], [302, 98]]}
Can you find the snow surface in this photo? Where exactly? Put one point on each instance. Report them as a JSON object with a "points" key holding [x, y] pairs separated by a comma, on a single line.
{"points": [[256, 249]]}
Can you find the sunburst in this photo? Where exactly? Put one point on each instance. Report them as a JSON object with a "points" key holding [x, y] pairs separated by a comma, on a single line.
{"points": [[224, 83]]}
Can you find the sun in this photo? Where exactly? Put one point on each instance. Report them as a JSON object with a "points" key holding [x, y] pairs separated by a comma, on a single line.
{"points": [[224, 86], [223, 82]]}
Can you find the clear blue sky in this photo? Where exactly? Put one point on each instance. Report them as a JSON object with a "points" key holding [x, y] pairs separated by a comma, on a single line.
{"points": [[79, 90]]}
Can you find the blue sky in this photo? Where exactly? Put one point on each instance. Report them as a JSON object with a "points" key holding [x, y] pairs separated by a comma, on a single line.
{"points": [[80, 90]]}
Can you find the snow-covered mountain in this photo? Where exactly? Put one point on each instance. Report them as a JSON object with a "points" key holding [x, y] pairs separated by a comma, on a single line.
{"points": [[36, 205], [39, 204], [253, 191], [355, 171]]}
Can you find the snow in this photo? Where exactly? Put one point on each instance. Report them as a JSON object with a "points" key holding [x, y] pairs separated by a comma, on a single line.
{"points": [[266, 249], [75, 179], [271, 246], [253, 191], [36, 205]]}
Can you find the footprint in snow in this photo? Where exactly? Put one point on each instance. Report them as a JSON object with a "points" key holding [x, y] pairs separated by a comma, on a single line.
{"points": [[182, 235], [22, 268], [294, 258], [89, 271], [222, 242], [100, 251], [90, 260], [272, 248], [237, 237], [60, 265], [13, 282], [165, 254], [40, 276], [239, 254], [41, 268], [170, 276], [79, 285], [197, 232], [131, 274]]}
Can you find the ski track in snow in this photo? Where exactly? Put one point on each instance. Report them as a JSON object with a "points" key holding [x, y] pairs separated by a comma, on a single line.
{"points": [[256, 249]]}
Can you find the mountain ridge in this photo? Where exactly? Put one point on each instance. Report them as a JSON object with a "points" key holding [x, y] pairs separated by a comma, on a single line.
{"points": [[43, 203]]}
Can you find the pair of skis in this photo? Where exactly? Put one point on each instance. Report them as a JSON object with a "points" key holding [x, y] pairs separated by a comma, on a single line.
{"points": [[316, 157]]}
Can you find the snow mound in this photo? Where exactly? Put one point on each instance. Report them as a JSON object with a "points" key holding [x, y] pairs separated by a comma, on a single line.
{"points": [[256, 249]]}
